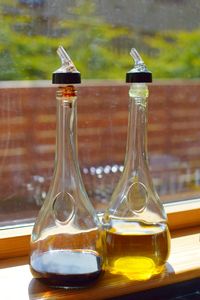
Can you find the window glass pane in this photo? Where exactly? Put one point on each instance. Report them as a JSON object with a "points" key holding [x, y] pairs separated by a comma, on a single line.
{"points": [[98, 35]]}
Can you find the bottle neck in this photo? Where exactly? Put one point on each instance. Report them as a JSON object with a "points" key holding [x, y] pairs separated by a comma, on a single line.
{"points": [[66, 139], [136, 148]]}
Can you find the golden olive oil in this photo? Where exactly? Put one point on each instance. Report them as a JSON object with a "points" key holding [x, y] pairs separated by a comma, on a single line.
{"points": [[136, 250]]}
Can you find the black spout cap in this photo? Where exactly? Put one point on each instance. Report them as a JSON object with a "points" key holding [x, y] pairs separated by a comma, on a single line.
{"points": [[67, 73], [134, 76], [139, 73], [66, 78]]}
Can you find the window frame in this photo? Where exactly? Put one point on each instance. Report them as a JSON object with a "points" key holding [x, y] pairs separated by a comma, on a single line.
{"points": [[14, 242], [182, 214]]}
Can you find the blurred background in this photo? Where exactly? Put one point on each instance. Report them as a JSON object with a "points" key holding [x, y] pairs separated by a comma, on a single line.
{"points": [[98, 35]]}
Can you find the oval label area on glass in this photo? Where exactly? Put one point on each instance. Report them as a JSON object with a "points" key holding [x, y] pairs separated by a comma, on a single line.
{"points": [[63, 207], [137, 197]]}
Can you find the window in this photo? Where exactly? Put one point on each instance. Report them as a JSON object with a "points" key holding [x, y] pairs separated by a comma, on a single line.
{"points": [[99, 36]]}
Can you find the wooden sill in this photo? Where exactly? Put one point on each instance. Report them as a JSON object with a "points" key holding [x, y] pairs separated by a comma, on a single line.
{"points": [[183, 264], [182, 214], [15, 242]]}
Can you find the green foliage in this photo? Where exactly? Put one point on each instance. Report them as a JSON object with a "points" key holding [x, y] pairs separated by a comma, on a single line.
{"points": [[26, 54], [96, 47], [174, 54]]}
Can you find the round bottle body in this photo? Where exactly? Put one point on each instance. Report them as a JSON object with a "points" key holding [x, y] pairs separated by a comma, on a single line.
{"points": [[63, 265], [135, 249]]}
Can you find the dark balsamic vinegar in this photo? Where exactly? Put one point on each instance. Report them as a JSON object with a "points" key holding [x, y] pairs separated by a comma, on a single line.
{"points": [[66, 267]]}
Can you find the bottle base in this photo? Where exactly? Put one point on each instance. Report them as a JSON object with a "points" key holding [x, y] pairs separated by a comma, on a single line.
{"points": [[62, 268], [60, 281]]}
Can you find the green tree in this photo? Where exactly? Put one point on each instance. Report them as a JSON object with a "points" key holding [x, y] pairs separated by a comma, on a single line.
{"points": [[27, 54], [28, 43], [174, 54]]}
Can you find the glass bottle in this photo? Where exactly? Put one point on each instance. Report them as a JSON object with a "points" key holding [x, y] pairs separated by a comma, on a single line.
{"points": [[66, 247], [137, 238]]}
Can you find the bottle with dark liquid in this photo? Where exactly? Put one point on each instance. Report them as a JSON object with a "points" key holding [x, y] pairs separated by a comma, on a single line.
{"points": [[137, 238], [66, 243]]}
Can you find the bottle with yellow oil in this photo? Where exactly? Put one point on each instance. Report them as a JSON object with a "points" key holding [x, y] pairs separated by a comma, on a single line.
{"points": [[137, 238]]}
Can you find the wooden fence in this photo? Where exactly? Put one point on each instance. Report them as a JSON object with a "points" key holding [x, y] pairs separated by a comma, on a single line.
{"points": [[27, 142]]}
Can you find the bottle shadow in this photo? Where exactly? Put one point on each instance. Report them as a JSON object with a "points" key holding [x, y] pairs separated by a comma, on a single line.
{"points": [[38, 290]]}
